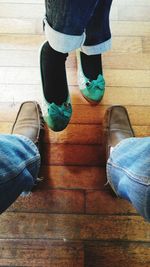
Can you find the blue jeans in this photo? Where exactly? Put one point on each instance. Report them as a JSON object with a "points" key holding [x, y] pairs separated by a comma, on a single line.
{"points": [[19, 167], [128, 172], [71, 24]]}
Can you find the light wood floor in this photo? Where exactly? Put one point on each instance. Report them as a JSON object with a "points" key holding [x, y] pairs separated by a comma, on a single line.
{"points": [[72, 219]]}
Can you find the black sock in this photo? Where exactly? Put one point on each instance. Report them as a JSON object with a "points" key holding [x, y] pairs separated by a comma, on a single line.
{"points": [[53, 75], [91, 65]]}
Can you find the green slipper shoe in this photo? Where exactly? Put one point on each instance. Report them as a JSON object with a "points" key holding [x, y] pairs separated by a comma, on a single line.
{"points": [[57, 117], [92, 91]]}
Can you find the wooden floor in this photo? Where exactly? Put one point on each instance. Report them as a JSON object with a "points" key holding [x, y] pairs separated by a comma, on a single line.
{"points": [[73, 219]]}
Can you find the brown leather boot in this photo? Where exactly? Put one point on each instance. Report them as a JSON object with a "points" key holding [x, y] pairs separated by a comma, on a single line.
{"points": [[29, 122], [117, 126]]}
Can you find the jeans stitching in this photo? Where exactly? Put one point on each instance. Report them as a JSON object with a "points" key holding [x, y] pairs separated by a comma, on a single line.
{"points": [[130, 175]]}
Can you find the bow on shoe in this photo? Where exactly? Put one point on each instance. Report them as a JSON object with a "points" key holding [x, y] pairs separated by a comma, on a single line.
{"points": [[63, 110], [96, 84]]}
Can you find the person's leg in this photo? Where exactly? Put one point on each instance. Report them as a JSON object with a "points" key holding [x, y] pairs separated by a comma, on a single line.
{"points": [[98, 41], [19, 166], [20, 157], [128, 172], [56, 106], [64, 25], [98, 34], [128, 160]]}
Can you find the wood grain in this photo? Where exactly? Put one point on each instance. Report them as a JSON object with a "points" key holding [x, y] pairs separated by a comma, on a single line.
{"points": [[73, 177], [77, 227], [116, 254], [97, 203], [81, 155], [51, 201], [35, 253]]}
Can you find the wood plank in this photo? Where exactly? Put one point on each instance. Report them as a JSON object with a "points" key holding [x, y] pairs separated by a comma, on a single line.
{"points": [[80, 155], [113, 95], [11, 93], [22, 10], [19, 58], [5, 127], [73, 134], [117, 254], [126, 96], [73, 177], [37, 253], [113, 13], [19, 75], [111, 60], [22, 1], [13, 109], [51, 201], [139, 115], [140, 13], [20, 26], [129, 78], [24, 75], [97, 203], [130, 28], [142, 131], [126, 61], [132, 3], [126, 44], [146, 44], [23, 42], [77, 227], [94, 133]]}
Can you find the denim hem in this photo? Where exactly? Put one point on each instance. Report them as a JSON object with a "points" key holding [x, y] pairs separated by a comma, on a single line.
{"points": [[61, 42], [97, 49]]}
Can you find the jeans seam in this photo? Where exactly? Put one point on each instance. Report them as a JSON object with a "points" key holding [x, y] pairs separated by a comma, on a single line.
{"points": [[23, 166], [109, 180], [130, 175], [145, 206]]}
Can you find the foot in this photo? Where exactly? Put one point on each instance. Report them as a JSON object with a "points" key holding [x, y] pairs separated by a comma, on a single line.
{"points": [[57, 107], [92, 88], [117, 126], [57, 117], [29, 122]]}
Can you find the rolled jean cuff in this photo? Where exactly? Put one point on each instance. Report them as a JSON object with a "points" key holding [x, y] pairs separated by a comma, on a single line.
{"points": [[97, 49], [61, 42], [66, 43]]}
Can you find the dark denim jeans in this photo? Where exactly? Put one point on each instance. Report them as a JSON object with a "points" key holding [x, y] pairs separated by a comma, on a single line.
{"points": [[76, 17]]}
